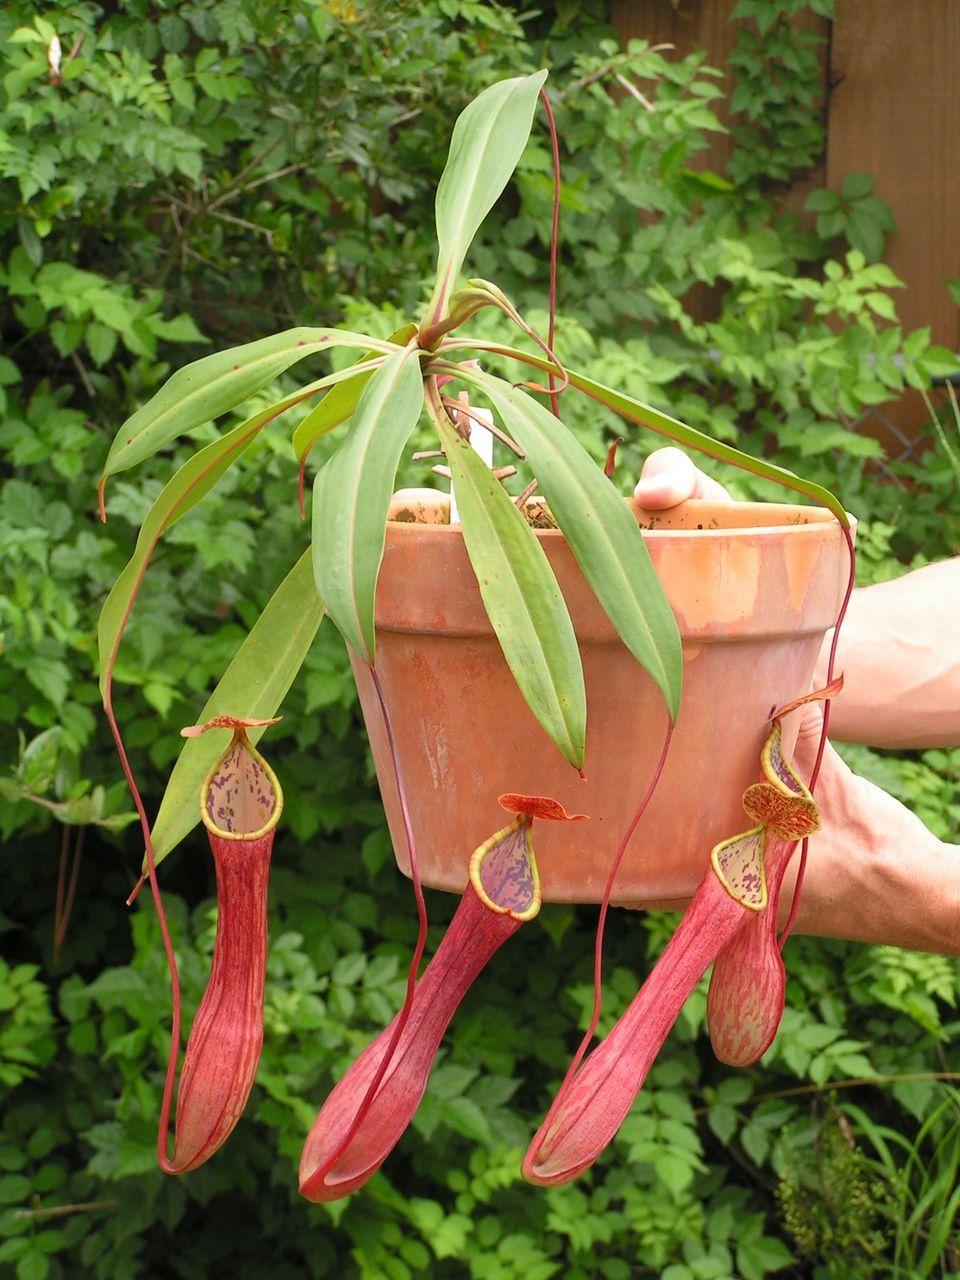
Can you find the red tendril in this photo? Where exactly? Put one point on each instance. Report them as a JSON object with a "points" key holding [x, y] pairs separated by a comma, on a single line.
{"points": [[611, 463], [821, 746], [602, 922], [319, 1174], [554, 239], [164, 1127], [301, 481]]}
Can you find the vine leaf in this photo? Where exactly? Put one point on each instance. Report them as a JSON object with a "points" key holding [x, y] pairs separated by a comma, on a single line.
{"points": [[212, 386], [351, 498], [252, 688], [521, 597], [488, 140], [601, 530]]}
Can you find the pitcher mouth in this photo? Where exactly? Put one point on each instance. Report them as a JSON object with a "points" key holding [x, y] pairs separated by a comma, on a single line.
{"points": [[241, 798]]}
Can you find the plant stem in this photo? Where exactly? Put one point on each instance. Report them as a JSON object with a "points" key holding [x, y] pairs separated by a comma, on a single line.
{"points": [[821, 747], [164, 1126], [64, 902], [856, 1082], [62, 1210], [453, 408], [602, 922]]}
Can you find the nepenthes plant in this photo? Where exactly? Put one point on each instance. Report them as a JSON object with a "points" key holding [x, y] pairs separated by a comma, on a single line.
{"points": [[375, 404]]}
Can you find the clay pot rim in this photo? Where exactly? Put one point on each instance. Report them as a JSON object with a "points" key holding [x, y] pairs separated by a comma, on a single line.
{"points": [[793, 518]]}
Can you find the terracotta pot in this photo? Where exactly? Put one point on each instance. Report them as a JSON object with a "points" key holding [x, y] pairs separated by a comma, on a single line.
{"points": [[754, 586]]}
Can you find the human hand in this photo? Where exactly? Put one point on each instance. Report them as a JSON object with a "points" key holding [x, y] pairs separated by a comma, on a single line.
{"points": [[874, 872], [669, 478]]}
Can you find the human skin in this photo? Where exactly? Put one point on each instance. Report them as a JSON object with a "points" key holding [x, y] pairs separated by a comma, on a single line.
{"points": [[897, 650], [901, 661], [874, 872]]}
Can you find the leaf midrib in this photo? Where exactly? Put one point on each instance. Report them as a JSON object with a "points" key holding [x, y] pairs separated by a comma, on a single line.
{"points": [[149, 535], [152, 426], [464, 204], [362, 454], [510, 578], [671, 428]]}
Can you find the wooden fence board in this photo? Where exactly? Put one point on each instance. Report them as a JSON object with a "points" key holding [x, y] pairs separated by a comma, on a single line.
{"points": [[687, 27], [895, 113], [892, 104]]}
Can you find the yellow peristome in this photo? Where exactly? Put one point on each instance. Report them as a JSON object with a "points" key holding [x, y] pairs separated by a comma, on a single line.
{"points": [[778, 769], [240, 742], [519, 825], [738, 863]]}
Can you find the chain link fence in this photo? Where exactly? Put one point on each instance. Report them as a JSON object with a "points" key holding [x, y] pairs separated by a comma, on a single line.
{"points": [[901, 446]]}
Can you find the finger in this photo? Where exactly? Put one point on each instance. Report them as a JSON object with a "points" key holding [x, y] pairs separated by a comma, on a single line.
{"points": [[414, 496], [668, 478], [710, 489], [811, 722]]}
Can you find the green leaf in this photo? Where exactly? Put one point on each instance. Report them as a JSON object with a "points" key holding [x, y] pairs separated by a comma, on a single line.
{"points": [[757, 1258], [488, 140], [856, 185], [335, 407], [722, 1119], [464, 1116], [939, 362], [879, 211], [252, 687], [33, 1266], [521, 597], [644, 414], [181, 494], [212, 386], [822, 201], [864, 234], [601, 530], [338, 405], [14, 1187], [351, 498], [101, 342], [831, 224]]}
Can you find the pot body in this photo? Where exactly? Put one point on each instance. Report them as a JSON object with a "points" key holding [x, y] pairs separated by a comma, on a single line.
{"points": [[754, 587]]}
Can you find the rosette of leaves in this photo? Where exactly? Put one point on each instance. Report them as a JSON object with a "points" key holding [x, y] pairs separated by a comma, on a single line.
{"points": [[375, 404]]}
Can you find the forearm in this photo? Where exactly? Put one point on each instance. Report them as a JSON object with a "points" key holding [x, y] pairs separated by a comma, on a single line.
{"points": [[878, 876], [899, 651]]}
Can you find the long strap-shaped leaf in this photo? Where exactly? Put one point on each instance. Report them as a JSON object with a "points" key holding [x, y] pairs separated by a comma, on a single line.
{"points": [[212, 386], [179, 495], [337, 405], [488, 140], [602, 532], [644, 414], [521, 597], [351, 498], [251, 688]]}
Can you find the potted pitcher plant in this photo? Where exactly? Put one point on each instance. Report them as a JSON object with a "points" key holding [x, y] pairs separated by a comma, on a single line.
{"points": [[479, 645]]}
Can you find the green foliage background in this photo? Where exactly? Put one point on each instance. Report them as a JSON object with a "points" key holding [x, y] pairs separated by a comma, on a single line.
{"points": [[202, 173]]}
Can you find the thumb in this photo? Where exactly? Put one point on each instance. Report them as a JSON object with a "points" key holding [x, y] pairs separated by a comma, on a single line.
{"points": [[668, 478]]}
